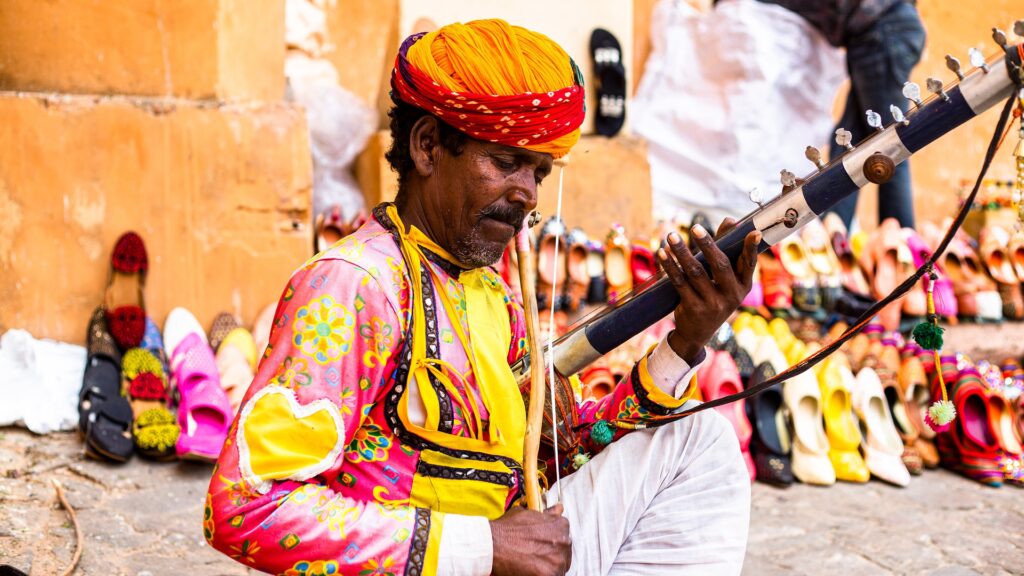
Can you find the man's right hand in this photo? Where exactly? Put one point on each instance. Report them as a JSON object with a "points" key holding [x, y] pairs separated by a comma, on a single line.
{"points": [[531, 543]]}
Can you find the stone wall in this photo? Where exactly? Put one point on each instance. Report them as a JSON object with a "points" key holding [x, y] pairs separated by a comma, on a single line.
{"points": [[163, 118]]}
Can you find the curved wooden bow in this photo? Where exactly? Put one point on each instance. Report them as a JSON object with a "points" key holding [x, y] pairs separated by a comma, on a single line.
{"points": [[535, 409]]}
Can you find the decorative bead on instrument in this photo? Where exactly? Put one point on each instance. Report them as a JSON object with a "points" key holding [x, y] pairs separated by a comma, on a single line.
{"points": [[935, 86], [977, 59], [999, 37], [844, 138], [814, 155], [897, 115], [953, 64], [912, 92], [788, 180], [756, 196], [874, 120]]}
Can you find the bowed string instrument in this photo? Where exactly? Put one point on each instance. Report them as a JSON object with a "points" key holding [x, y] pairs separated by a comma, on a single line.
{"points": [[552, 417]]}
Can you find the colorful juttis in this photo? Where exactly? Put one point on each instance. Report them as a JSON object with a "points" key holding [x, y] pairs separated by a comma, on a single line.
{"points": [[340, 462]]}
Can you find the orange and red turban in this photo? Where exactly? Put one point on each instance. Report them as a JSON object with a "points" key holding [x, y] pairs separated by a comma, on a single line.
{"points": [[494, 82]]}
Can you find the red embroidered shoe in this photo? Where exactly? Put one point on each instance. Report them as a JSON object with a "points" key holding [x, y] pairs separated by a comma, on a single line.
{"points": [[970, 446], [126, 315]]}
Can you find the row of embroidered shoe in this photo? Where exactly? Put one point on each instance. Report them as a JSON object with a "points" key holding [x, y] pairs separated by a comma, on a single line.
{"points": [[861, 413], [164, 395], [583, 270], [823, 269]]}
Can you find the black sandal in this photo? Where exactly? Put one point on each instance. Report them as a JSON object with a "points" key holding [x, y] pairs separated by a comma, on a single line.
{"points": [[100, 405], [102, 378], [770, 444], [108, 433], [610, 82]]}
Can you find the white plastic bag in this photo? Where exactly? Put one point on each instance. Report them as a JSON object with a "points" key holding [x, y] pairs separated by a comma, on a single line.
{"points": [[39, 382]]}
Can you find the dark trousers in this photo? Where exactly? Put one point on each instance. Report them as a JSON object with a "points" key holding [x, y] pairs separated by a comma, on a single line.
{"points": [[879, 61]]}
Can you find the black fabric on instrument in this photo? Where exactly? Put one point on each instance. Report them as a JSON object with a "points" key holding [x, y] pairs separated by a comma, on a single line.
{"points": [[900, 290]]}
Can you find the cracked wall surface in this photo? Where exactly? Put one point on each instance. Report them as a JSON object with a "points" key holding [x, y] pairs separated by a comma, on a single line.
{"points": [[220, 193], [166, 118], [199, 49]]}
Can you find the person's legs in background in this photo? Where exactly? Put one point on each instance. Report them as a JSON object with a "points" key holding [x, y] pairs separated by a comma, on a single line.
{"points": [[852, 120], [879, 61]]}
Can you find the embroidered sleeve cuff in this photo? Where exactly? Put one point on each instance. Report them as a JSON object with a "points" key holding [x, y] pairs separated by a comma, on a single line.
{"points": [[670, 375], [466, 548]]}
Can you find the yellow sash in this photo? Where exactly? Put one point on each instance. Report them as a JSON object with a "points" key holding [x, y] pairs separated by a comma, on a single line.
{"points": [[503, 433]]}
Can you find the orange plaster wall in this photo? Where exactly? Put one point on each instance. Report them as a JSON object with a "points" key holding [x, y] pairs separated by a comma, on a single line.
{"points": [[220, 194], [200, 49]]}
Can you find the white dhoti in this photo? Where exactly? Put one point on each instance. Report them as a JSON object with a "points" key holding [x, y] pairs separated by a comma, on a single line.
{"points": [[670, 500]]}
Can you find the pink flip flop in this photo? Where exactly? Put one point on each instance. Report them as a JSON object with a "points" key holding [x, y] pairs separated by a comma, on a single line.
{"points": [[204, 412]]}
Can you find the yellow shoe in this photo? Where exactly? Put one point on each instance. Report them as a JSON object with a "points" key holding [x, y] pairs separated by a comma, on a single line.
{"points": [[779, 328], [741, 322], [242, 339], [808, 352], [759, 325], [840, 426], [753, 322], [796, 351]]}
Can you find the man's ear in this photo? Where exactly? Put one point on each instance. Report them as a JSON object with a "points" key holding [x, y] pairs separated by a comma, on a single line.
{"points": [[424, 144]]}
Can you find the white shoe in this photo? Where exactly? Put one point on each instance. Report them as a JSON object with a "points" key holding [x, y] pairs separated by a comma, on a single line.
{"points": [[811, 464], [883, 447], [179, 324]]}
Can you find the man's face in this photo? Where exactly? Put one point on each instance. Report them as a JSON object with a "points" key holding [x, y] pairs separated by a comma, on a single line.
{"points": [[477, 201]]}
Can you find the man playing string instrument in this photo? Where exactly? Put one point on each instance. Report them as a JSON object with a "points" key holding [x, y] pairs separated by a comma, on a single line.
{"points": [[384, 431]]}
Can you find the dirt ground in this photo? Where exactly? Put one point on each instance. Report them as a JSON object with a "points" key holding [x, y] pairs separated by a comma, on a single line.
{"points": [[143, 519]]}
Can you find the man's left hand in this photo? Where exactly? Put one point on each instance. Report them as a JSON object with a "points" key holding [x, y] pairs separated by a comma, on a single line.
{"points": [[705, 301]]}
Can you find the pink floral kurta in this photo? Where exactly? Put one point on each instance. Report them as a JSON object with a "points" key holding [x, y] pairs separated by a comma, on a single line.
{"points": [[317, 473]]}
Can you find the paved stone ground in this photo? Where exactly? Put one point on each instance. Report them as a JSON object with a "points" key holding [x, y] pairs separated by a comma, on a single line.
{"points": [[143, 519]]}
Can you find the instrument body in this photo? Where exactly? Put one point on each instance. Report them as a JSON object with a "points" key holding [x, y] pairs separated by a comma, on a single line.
{"points": [[980, 90]]}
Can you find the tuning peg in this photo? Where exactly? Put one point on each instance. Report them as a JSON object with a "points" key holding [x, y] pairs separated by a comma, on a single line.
{"points": [[844, 138], [1018, 27], [788, 178], [977, 59], [874, 120], [897, 114], [1000, 37], [756, 197], [912, 92], [814, 155], [935, 86], [953, 64]]}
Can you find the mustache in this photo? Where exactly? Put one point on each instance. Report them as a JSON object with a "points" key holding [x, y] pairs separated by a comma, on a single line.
{"points": [[509, 214]]}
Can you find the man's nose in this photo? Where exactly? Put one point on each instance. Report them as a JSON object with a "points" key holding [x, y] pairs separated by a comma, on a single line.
{"points": [[524, 192]]}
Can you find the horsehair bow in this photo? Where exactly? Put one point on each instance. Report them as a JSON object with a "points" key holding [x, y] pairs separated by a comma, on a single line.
{"points": [[538, 377], [535, 408], [872, 160]]}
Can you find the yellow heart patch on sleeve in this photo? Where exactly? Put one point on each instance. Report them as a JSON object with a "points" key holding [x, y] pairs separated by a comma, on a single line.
{"points": [[280, 439]]}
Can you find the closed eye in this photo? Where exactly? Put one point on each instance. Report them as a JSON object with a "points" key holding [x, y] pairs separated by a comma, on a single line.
{"points": [[503, 164]]}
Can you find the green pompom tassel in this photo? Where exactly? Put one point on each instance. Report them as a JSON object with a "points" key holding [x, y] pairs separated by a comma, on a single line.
{"points": [[580, 459], [942, 412], [602, 432], [928, 335]]}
